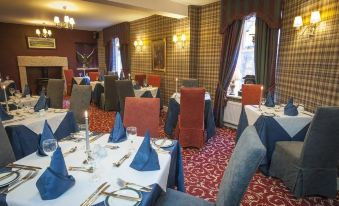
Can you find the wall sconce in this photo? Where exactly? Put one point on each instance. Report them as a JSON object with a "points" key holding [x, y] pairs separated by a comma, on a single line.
{"points": [[175, 39], [311, 28], [138, 44]]}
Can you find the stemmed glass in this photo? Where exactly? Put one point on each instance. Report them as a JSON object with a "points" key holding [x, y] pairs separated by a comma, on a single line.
{"points": [[49, 146], [12, 91], [131, 135]]}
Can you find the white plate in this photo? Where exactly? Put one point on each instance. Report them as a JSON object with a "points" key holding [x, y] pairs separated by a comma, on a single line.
{"points": [[167, 143], [7, 181], [111, 201]]}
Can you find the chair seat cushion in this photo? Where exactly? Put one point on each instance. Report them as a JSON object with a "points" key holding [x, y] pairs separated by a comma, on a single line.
{"points": [[173, 197]]}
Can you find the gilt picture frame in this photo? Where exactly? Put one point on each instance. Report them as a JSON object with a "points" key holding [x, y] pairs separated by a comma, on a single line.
{"points": [[159, 55], [41, 43]]}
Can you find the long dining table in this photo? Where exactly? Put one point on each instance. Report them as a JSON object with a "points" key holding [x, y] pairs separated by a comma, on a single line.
{"points": [[169, 175], [273, 125]]}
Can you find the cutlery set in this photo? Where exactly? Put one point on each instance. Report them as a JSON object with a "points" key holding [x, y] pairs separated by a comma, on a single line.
{"points": [[125, 157], [32, 173]]}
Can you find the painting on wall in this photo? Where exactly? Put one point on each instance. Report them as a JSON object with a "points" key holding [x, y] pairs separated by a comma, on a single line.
{"points": [[159, 55], [41, 43]]}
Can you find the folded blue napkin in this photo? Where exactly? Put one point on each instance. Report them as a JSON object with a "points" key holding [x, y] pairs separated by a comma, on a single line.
{"points": [[26, 91], [269, 100], [146, 159], [290, 109], [4, 115], [55, 180], [41, 104], [87, 80], [47, 133], [118, 133]]}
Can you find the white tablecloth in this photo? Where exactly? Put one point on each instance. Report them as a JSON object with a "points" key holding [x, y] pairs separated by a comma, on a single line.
{"points": [[35, 121], [28, 195], [79, 79], [142, 90], [176, 96], [6, 83], [291, 124]]}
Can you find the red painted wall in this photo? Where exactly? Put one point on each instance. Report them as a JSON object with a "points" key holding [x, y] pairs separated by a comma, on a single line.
{"points": [[13, 43]]}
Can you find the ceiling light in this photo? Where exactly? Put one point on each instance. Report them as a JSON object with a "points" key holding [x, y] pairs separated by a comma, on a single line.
{"points": [[45, 32], [68, 22]]}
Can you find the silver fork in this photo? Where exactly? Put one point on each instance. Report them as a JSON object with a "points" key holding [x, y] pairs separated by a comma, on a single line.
{"points": [[35, 173]]}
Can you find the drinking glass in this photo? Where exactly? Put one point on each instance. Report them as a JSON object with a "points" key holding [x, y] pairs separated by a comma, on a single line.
{"points": [[49, 146], [11, 90], [131, 135], [263, 101]]}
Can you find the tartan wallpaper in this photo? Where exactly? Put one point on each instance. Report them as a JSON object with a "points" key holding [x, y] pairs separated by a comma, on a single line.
{"points": [[308, 67], [198, 59]]}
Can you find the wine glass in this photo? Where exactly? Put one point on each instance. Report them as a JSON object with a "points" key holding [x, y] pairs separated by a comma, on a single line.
{"points": [[12, 91], [49, 146], [131, 135]]}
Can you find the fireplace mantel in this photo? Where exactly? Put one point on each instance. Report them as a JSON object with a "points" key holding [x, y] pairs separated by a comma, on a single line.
{"points": [[24, 62]]}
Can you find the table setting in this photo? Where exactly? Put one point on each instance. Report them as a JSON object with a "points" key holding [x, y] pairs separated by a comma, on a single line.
{"points": [[285, 122], [119, 168], [174, 111]]}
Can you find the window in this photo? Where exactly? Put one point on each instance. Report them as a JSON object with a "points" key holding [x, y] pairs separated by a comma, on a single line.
{"points": [[116, 65], [245, 63]]}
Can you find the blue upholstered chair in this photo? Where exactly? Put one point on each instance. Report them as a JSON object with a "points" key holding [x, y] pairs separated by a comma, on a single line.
{"points": [[245, 160], [6, 152], [190, 83], [310, 167]]}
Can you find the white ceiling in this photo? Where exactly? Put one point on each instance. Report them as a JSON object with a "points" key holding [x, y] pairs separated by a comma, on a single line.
{"points": [[91, 14]]}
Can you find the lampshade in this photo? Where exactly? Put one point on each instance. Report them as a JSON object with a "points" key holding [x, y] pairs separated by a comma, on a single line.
{"points": [[135, 43], [298, 21], [37, 31], [141, 43], [315, 17], [56, 20], [49, 32], [71, 21], [183, 37], [44, 31], [66, 19]]}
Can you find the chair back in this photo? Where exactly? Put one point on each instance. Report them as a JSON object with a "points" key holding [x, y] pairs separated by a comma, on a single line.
{"points": [[55, 93], [6, 152], [251, 94], [154, 80], [139, 78], [80, 101], [244, 161], [110, 92], [93, 76], [124, 89], [143, 113], [321, 144], [190, 83], [192, 104]]}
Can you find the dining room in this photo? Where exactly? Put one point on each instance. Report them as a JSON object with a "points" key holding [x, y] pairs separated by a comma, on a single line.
{"points": [[169, 102]]}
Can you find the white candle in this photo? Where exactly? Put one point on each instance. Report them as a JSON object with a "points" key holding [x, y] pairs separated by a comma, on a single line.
{"points": [[176, 85], [7, 108], [87, 133], [261, 95], [129, 76]]}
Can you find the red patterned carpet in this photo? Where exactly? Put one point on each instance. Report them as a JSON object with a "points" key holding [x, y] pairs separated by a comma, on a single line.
{"points": [[204, 169]]}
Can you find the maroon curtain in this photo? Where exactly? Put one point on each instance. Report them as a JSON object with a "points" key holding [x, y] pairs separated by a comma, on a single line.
{"points": [[268, 10], [124, 59], [228, 61], [265, 54], [109, 55]]}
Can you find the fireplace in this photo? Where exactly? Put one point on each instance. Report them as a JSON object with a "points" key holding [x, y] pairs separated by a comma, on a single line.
{"points": [[37, 77], [36, 70]]}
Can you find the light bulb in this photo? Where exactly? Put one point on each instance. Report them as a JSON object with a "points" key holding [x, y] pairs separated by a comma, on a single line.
{"points": [[56, 20], [175, 38]]}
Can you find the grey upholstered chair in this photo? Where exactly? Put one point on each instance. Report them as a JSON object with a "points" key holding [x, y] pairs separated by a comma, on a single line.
{"points": [[6, 152], [190, 83], [55, 92], [245, 160], [109, 100], [80, 101], [310, 167], [124, 89]]}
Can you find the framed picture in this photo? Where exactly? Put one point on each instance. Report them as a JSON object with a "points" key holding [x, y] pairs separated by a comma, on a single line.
{"points": [[41, 43], [159, 55]]}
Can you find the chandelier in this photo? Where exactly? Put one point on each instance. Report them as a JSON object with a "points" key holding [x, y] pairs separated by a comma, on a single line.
{"points": [[68, 22], [44, 32]]}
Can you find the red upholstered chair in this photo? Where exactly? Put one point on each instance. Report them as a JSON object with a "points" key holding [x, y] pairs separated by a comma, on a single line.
{"points": [[190, 128], [143, 113], [139, 78], [69, 77], [153, 80], [251, 94], [93, 76]]}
